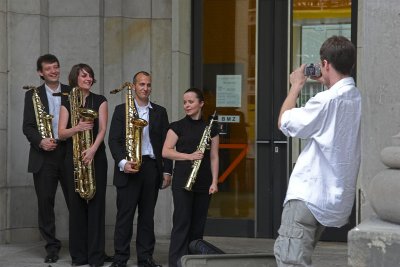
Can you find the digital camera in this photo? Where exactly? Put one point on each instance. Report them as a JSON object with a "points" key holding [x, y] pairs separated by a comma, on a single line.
{"points": [[312, 70]]}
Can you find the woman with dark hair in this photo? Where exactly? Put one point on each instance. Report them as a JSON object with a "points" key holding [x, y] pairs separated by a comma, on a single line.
{"points": [[190, 207], [86, 217]]}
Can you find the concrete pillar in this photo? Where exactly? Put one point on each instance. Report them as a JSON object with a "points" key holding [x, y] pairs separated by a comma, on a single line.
{"points": [[178, 80], [162, 71], [27, 38], [376, 240], [137, 36], [181, 52], [378, 79], [3, 120]]}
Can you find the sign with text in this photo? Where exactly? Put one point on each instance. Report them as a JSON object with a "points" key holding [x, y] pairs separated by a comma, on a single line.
{"points": [[229, 91], [229, 118]]}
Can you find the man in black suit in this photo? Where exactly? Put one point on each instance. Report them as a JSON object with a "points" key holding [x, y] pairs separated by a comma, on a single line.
{"points": [[46, 155], [139, 188]]}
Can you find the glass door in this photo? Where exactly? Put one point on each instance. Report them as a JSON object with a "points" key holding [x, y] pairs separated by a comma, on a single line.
{"points": [[313, 22], [226, 73], [239, 59]]}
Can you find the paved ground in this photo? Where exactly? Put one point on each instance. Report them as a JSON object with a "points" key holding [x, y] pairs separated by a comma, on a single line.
{"points": [[327, 254]]}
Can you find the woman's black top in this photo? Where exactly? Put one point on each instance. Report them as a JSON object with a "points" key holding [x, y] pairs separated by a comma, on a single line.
{"points": [[189, 134]]}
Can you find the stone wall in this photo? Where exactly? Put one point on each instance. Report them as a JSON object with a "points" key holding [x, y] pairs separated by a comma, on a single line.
{"points": [[117, 38]]}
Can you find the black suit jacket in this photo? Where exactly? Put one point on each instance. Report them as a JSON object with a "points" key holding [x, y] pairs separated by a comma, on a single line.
{"points": [[30, 129], [158, 123]]}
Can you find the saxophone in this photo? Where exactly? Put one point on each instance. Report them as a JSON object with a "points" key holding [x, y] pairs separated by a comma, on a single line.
{"points": [[43, 120], [85, 183], [203, 145], [133, 127]]}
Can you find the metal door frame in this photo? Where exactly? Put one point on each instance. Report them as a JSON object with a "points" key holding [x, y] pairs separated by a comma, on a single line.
{"points": [[272, 85]]}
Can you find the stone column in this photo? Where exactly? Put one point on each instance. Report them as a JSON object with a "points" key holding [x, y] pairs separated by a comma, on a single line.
{"points": [[137, 36], [177, 32], [3, 120], [162, 71], [76, 35], [181, 27], [27, 38], [376, 241]]}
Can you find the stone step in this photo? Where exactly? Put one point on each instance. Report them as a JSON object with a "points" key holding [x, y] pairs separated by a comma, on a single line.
{"points": [[231, 260]]}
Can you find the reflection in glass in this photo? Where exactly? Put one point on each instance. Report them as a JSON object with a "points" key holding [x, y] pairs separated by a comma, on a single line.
{"points": [[228, 73]]}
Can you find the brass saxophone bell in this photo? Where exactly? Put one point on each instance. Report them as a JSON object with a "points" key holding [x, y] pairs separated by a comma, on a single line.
{"points": [[87, 114]]}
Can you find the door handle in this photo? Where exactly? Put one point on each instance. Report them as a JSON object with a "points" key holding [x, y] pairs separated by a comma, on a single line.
{"points": [[263, 142], [277, 142]]}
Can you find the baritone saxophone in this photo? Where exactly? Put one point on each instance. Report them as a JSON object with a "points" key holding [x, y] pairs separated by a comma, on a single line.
{"points": [[84, 175], [133, 127], [43, 119], [203, 145]]}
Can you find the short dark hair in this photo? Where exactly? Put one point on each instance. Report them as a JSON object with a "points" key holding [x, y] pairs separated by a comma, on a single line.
{"points": [[47, 58], [74, 73], [340, 52], [197, 91], [145, 73]]}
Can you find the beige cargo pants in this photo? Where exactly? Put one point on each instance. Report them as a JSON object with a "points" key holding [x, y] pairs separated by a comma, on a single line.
{"points": [[298, 234]]}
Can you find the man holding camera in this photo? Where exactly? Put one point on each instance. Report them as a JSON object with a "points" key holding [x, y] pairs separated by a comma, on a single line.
{"points": [[322, 185]]}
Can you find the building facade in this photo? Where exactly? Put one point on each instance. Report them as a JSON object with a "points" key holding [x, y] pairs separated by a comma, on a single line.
{"points": [[245, 73]]}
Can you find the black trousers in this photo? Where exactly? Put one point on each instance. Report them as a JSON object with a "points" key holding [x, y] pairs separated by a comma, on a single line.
{"points": [[46, 182], [189, 219], [87, 218], [141, 191]]}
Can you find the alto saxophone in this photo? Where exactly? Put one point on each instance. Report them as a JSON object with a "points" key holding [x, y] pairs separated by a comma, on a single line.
{"points": [[203, 145], [133, 127], [43, 120], [85, 183]]}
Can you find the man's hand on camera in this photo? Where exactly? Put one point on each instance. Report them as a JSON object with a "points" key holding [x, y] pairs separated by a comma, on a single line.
{"points": [[297, 78]]}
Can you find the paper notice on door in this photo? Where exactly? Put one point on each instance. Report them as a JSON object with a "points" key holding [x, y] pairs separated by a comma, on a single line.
{"points": [[229, 91]]}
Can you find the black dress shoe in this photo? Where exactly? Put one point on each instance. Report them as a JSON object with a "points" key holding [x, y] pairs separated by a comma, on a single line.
{"points": [[51, 258], [148, 263], [108, 258], [118, 264]]}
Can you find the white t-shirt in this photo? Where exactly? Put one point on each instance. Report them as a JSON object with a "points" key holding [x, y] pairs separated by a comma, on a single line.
{"points": [[326, 171]]}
